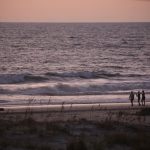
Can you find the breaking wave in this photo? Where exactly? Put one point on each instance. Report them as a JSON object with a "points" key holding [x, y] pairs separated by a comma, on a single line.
{"points": [[20, 78], [77, 89], [84, 74], [26, 77], [91, 75]]}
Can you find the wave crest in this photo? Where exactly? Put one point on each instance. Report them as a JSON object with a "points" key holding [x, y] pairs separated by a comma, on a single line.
{"points": [[26, 77], [19, 78], [84, 74]]}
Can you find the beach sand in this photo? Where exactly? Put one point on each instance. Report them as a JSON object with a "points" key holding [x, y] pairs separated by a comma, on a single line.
{"points": [[75, 127], [96, 112]]}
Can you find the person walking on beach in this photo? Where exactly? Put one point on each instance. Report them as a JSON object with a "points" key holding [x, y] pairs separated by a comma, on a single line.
{"points": [[143, 98], [139, 97], [131, 97]]}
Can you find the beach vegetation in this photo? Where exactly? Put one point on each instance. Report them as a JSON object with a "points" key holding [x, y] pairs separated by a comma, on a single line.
{"points": [[77, 145], [117, 130], [144, 112]]}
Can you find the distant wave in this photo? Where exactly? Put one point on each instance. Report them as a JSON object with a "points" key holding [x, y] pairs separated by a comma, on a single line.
{"points": [[20, 78], [84, 74], [26, 77], [92, 75]]}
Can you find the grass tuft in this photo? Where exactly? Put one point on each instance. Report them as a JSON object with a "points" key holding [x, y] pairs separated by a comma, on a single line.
{"points": [[144, 112], [77, 145]]}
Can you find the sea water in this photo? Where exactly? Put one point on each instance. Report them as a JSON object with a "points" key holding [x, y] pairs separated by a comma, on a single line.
{"points": [[73, 62]]}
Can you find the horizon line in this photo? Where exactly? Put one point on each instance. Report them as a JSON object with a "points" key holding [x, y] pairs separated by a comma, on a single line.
{"points": [[75, 22]]}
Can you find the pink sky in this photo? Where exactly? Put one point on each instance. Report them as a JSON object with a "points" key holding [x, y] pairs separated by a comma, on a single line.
{"points": [[75, 10]]}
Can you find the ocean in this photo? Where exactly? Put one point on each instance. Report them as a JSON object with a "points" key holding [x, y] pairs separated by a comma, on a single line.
{"points": [[73, 62]]}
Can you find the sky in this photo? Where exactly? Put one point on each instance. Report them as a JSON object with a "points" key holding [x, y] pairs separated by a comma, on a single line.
{"points": [[74, 10]]}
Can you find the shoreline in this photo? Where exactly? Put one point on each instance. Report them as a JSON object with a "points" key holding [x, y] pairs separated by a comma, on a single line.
{"points": [[73, 106], [51, 104]]}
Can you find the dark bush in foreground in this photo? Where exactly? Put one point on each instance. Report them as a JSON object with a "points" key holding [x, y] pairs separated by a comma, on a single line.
{"points": [[144, 112], [136, 141], [77, 145]]}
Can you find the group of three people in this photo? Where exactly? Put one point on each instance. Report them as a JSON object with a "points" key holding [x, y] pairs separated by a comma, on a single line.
{"points": [[140, 96]]}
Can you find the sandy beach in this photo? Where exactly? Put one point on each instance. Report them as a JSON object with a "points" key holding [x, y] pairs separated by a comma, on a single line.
{"points": [[74, 127], [94, 112]]}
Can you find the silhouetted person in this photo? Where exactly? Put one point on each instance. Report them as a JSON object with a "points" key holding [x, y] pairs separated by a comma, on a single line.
{"points": [[131, 97], [139, 97], [143, 98]]}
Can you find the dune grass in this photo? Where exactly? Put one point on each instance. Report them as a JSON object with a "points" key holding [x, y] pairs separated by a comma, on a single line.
{"points": [[72, 135], [113, 132]]}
